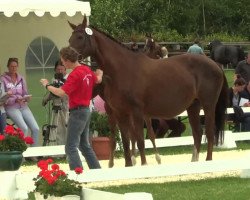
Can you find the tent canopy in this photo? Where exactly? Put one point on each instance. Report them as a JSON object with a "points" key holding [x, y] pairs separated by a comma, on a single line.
{"points": [[40, 7]]}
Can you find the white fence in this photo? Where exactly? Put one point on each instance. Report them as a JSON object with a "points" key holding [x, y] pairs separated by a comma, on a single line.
{"points": [[16, 184]]}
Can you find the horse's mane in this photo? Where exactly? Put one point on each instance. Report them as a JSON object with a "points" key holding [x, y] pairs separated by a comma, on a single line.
{"points": [[110, 37]]}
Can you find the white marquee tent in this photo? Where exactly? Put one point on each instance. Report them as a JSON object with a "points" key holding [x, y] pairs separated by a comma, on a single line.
{"points": [[34, 30]]}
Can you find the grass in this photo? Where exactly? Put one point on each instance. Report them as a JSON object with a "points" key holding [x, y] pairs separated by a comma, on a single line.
{"points": [[226, 188]]}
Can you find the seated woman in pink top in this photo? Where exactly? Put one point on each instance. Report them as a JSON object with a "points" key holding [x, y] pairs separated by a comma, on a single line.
{"points": [[16, 105]]}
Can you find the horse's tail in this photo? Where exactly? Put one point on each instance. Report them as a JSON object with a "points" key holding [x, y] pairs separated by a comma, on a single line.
{"points": [[220, 112]]}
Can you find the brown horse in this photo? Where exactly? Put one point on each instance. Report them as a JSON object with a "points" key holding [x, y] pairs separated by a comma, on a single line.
{"points": [[99, 90], [161, 127], [152, 49], [184, 82]]}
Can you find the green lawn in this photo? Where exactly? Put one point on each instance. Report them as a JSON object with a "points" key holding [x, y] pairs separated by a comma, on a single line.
{"points": [[226, 188]]}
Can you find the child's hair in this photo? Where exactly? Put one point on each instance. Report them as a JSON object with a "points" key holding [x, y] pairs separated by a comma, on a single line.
{"points": [[239, 80]]}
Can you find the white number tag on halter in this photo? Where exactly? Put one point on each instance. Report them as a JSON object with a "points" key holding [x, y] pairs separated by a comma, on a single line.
{"points": [[88, 31]]}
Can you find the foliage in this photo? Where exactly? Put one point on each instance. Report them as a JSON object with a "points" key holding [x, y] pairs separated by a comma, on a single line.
{"points": [[99, 123], [124, 18], [54, 182], [225, 37], [14, 140]]}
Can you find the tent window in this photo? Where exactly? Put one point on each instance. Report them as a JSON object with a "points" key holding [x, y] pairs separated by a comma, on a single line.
{"points": [[41, 54]]}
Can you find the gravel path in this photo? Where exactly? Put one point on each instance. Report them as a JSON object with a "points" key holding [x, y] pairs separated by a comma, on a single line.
{"points": [[168, 159]]}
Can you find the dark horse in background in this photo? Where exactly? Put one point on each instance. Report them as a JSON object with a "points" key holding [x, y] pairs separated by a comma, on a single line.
{"points": [[135, 83], [225, 54]]}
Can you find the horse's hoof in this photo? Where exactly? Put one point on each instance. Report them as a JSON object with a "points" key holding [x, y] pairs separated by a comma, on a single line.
{"points": [[194, 159], [111, 164], [158, 158], [133, 160]]}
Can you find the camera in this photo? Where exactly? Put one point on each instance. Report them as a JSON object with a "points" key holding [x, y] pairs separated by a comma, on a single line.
{"points": [[59, 80]]}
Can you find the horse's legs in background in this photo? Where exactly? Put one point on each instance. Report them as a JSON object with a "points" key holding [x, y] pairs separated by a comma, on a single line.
{"points": [[194, 120], [124, 123], [113, 130], [151, 136], [160, 127], [133, 150], [176, 126], [209, 129]]}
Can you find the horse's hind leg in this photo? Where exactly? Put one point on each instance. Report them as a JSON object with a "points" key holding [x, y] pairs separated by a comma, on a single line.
{"points": [[209, 126], [133, 150], [194, 120], [151, 136]]}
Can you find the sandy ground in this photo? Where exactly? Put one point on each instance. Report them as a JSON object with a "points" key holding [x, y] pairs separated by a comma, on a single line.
{"points": [[168, 159]]}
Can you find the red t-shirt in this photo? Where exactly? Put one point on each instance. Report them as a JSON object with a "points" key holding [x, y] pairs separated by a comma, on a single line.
{"points": [[79, 86]]}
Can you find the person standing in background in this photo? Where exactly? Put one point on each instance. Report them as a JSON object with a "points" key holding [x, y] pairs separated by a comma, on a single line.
{"points": [[164, 51], [195, 48], [60, 106]]}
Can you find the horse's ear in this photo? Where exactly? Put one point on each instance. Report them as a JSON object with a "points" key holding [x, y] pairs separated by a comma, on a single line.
{"points": [[84, 22], [73, 26]]}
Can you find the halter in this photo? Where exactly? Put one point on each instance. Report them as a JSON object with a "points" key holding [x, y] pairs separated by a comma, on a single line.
{"points": [[87, 33]]}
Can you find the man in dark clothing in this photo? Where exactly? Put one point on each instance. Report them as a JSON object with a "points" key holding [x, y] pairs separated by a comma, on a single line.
{"points": [[246, 94], [243, 68]]}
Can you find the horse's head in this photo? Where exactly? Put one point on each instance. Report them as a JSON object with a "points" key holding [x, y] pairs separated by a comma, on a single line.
{"points": [[214, 44], [152, 49], [149, 44], [82, 39]]}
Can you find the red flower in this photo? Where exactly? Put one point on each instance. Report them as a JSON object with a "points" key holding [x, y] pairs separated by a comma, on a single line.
{"points": [[42, 164], [21, 135], [49, 160], [9, 130], [2, 137], [78, 170], [51, 180], [28, 140], [55, 167], [61, 173]]}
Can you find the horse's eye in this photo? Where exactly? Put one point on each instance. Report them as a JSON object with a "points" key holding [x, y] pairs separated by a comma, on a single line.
{"points": [[80, 37]]}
